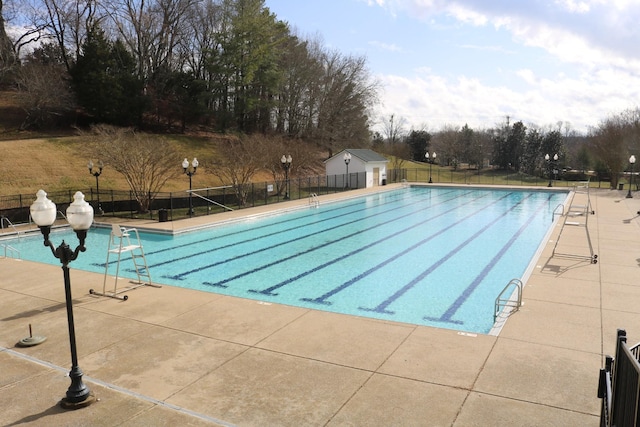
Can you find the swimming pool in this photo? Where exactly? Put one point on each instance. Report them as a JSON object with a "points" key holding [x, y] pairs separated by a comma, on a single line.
{"points": [[434, 256]]}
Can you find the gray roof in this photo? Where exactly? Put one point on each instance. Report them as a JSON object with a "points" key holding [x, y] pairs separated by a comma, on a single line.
{"points": [[363, 154]]}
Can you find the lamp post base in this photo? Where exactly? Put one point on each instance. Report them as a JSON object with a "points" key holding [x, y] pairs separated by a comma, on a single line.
{"points": [[66, 404]]}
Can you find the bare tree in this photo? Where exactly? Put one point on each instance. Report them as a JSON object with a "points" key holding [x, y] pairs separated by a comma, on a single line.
{"points": [[445, 144], [68, 22], [8, 56], [614, 139], [237, 161], [303, 157], [343, 97], [153, 30], [146, 161], [44, 93], [394, 129]]}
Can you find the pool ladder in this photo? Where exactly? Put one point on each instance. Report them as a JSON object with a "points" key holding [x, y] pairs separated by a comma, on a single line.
{"points": [[555, 212], [313, 200], [120, 243], [8, 249], [505, 300]]}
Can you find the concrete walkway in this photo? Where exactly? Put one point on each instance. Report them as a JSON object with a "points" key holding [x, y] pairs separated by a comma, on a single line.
{"points": [[172, 356]]}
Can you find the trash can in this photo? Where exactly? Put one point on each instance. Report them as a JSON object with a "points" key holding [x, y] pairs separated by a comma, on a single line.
{"points": [[163, 215], [384, 181], [620, 186]]}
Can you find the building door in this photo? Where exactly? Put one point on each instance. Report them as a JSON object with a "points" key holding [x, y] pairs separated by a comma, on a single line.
{"points": [[376, 176]]}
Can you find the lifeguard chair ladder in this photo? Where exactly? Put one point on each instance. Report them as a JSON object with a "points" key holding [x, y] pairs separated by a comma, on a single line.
{"points": [[577, 215], [125, 241]]}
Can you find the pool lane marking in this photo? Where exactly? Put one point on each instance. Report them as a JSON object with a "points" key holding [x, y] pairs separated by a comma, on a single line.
{"points": [[392, 199], [221, 283], [321, 300], [284, 243], [466, 293], [218, 248], [382, 307]]}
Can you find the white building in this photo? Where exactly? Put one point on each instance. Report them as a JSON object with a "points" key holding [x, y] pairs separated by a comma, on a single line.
{"points": [[365, 168]]}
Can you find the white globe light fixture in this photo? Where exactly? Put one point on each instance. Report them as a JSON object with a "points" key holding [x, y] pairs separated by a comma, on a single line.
{"points": [[80, 217]]}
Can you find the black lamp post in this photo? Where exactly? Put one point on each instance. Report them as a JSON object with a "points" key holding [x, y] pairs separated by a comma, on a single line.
{"points": [[551, 167], [190, 172], [347, 160], [97, 173], [286, 164], [632, 161], [80, 217], [430, 158]]}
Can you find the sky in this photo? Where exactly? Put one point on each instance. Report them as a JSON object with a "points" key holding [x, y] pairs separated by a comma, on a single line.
{"points": [[454, 62]]}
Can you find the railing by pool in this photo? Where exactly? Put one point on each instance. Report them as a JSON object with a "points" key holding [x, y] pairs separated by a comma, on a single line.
{"points": [[619, 385]]}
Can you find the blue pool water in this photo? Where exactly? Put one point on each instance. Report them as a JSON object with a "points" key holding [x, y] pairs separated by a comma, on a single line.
{"points": [[421, 255]]}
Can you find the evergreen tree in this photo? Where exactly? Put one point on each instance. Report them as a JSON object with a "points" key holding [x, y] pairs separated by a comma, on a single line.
{"points": [[418, 141], [245, 61], [105, 81], [531, 153]]}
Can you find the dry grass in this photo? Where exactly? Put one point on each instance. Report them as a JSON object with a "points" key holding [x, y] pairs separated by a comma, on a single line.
{"points": [[57, 160], [61, 164]]}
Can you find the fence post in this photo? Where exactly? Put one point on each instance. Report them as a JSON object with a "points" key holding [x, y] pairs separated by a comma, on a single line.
{"points": [[617, 379]]}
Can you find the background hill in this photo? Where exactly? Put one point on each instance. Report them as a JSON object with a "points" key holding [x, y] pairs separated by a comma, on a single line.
{"points": [[56, 159]]}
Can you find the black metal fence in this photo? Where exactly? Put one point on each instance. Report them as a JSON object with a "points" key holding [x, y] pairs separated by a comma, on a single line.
{"points": [[619, 385], [14, 209]]}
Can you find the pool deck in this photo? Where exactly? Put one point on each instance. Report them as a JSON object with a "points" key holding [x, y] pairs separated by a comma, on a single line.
{"points": [[170, 356]]}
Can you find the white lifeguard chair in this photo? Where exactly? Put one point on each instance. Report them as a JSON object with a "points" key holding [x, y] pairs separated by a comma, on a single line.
{"points": [[125, 241], [576, 216]]}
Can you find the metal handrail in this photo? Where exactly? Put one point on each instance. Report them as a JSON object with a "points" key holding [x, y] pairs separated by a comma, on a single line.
{"points": [[9, 248], [313, 200], [553, 217], [502, 302], [193, 192]]}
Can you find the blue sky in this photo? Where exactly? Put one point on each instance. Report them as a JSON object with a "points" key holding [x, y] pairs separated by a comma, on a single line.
{"points": [[451, 62]]}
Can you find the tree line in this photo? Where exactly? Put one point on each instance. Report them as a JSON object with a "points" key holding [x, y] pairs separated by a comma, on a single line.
{"points": [[230, 65], [602, 154], [233, 67]]}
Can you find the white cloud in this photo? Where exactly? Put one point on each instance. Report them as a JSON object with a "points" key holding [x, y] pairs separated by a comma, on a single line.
{"points": [[597, 25], [432, 101], [386, 46], [575, 6], [591, 43]]}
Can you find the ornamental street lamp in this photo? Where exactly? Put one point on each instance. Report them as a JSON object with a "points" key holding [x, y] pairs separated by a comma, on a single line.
{"points": [[97, 173], [190, 172], [551, 168], [286, 164], [632, 161], [430, 158], [347, 160], [80, 217]]}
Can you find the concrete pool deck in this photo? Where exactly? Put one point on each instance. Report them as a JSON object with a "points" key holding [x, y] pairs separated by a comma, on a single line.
{"points": [[170, 356]]}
